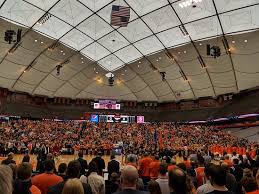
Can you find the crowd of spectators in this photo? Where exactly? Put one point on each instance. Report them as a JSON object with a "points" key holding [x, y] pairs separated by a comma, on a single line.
{"points": [[142, 174], [27, 136], [160, 158]]}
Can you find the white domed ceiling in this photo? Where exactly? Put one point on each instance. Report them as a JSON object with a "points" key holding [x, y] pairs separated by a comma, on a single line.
{"points": [[161, 36]]}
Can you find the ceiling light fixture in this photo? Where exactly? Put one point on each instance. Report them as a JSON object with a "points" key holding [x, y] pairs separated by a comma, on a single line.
{"points": [[82, 61], [41, 42], [184, 52], [245, 41], [44, 18], [200, 44], [138, 66], [188, 3], [35, 40], [139, 62], [233, 41]]}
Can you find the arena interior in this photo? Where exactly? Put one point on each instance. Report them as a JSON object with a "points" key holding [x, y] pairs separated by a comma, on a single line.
{"points": [[129, 96]]}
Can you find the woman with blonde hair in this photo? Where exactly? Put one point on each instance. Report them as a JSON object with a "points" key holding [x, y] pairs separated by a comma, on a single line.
{"points": [[6, 178], [73, 186]]}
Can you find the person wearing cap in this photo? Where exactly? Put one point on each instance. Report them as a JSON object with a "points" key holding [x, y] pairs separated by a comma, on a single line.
{"points": [[9, 159], [113, 166]]}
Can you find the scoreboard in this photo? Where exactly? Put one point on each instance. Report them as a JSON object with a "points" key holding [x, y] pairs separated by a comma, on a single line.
{"points": [[117, 119]]}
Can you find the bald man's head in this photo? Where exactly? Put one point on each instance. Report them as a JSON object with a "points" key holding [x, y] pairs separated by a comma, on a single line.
{"points": [[129, 176]]}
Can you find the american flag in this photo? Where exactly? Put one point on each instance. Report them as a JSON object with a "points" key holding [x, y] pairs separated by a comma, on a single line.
{"points": [[120, 16]]}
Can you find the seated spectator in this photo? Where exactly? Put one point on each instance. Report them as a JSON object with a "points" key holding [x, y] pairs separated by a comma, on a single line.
{"points": [[163, 179], [9, 159], [73, 171], [153, 187], [207, 187], [23, 182], [62, 171], [6, 186], [218, 180], [129, 180], [112, 185], [249, 185], [26, 158], [73, 186], [95, 181], [45, 180]]}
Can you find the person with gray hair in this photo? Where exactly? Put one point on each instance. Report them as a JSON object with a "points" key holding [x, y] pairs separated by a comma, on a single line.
{"points": [[129, 181], [6, 178], [132, 160]]}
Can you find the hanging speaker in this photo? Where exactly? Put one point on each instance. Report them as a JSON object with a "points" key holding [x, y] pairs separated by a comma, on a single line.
{"points": [[208, 49]]}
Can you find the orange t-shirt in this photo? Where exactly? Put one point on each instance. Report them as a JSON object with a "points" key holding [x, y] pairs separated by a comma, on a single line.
{"points": [[254, 192], [229, 163], [144, 166], [187, 164], [200, 175], [171, 167], [35, 190], [154, 169], [45, 180]]}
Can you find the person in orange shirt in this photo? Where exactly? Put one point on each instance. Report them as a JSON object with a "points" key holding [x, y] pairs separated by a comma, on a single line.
{"points": [[228, 161], [249, 185], [187, 162], [172, 165], [200, 175], [46, 180], [23, 182], [154, 168], [144, 168]]}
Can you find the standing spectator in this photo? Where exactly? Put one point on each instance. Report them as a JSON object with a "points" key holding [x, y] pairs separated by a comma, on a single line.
{"points": [[231, 182], [236, 170], [113, 166], [9, 159], [177, 182], [249, 185], [6, 180], [129, 179], [207, 187], [100, 163], [46, 180], [62, 171], [23, 182], [218, 180], [82, 162], [112, 185], [95, 181], [73, 171], [144, 168], [154, 168], [153, 187], [163, 179], [73, 186], [200, 175]]}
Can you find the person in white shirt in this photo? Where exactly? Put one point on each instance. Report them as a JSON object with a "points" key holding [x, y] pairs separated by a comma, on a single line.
{"points": [[95, 181], [163, 179], [207, 187]]}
